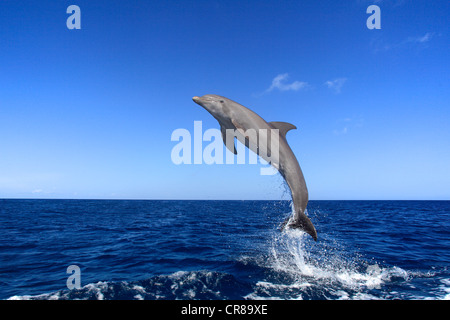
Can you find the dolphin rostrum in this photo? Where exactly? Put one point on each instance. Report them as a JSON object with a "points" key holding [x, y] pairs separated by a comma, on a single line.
{"points": [[236, 118]]}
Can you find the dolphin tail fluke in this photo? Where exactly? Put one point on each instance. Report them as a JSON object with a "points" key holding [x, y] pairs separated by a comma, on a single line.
{"points": [[301, 222]]}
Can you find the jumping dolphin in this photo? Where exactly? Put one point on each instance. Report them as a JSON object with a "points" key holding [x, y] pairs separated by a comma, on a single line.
{"points": [[232, 115]]}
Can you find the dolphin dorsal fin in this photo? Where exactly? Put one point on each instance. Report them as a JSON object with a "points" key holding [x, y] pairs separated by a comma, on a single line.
{"points": [[224, 137], [284, 127]]}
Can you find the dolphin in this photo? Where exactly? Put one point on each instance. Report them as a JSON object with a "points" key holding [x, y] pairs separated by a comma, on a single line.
{"points": [[234, 116]]}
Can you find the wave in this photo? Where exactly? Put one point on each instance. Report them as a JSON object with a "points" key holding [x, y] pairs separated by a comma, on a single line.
{"points": [[181, 285], [291, 267], [208, 285], [303, 269]]}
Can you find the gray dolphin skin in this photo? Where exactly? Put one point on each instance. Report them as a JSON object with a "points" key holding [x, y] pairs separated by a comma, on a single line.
{"points": [[234, 116]]}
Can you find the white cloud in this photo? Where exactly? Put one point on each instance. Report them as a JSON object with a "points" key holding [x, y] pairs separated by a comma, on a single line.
{"points": [[417, 41], [421, 39], [336, 84], [341, 131], [347, 124], [279, 83]]}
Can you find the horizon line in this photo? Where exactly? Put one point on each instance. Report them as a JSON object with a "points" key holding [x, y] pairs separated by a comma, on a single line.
{"points": [[159, 199]]}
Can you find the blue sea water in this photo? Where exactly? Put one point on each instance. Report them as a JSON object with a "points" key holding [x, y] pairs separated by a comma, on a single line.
{"points": [[161, 249]]}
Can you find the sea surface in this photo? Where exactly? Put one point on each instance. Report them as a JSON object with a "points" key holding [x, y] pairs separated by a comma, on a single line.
{"points": [[157, 249]]}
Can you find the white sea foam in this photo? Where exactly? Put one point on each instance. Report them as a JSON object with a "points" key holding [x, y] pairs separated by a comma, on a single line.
{"points": [[307, 270], [294, 267], [178, 285], [445, 289]]}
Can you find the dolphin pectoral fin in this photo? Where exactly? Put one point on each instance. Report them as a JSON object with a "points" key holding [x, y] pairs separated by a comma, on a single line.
{"points": [[283, 127], [230, 144], [301, 222]]}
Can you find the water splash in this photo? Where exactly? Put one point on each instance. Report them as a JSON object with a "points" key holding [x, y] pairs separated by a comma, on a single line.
{"points": [[303, 269]]}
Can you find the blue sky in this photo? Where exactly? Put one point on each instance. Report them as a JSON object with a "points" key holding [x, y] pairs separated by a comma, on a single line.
{"points": [[89, 113]]}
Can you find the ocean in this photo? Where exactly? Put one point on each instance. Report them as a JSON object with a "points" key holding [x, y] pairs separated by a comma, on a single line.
{"points": [[222, 250]]}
